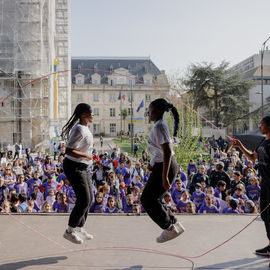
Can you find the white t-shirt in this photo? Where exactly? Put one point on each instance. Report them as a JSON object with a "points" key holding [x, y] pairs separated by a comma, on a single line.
{"points": [[80, 139], [159, 134]]}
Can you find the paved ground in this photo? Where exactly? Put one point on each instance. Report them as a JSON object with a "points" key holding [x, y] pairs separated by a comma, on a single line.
{"points": [[21, 248], [108, 145]]}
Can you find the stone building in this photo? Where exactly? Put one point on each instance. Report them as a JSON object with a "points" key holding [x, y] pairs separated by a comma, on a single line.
{"points": [[34, 42], [112, 85]]}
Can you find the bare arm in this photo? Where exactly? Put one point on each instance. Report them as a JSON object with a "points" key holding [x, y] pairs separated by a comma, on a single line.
{"points": [[249, 154], [167, 158], [77, 154]]}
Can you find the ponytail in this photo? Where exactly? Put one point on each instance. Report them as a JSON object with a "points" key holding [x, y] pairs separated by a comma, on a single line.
{"points": [[162, 105], [79, 110], [176, 120]]}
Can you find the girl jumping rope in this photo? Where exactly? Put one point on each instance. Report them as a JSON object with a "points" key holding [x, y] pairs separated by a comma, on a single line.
{"points": [[164, 169], [78, 155]]}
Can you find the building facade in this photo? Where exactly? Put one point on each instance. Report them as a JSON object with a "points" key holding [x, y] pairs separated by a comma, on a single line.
{"points": [[119, 89], [34, 43], [250, 68]]}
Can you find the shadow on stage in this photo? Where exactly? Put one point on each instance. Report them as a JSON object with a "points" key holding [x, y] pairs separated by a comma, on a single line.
{"points": [[22, 264], [245, 263]]}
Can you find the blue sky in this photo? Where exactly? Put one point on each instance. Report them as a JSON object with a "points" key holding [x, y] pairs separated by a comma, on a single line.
{"points": [[174, 33]]}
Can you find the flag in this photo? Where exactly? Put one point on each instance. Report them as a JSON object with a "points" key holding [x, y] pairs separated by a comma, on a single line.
{"points": [[140, 106], [119, 96]]}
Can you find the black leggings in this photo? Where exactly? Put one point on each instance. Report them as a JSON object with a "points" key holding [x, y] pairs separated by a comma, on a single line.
{"points": [[153, 193], [264, 202], [79, 179]]}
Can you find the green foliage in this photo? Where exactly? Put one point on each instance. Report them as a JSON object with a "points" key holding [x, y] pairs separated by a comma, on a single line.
{"points": [[223, 93], [189, 135]]}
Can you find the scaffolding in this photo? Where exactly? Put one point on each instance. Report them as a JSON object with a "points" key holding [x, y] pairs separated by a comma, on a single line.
{"points": [[28, 47]]}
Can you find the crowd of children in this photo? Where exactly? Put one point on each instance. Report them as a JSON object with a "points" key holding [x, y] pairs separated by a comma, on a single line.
{"points": [[227, 184]]}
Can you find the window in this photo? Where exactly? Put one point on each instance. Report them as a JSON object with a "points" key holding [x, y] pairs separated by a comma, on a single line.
{"points": [[112, 128], [129, 111], [148, 82], [111, 83], [95, 82], [112, 112], [112, 97], [96, 97], [79, 82], [96, 111], [148, 98], [96, 128], [79, 97]]}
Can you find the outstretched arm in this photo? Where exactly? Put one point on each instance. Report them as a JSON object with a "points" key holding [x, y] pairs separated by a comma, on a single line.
{"points": [[249, 154]]}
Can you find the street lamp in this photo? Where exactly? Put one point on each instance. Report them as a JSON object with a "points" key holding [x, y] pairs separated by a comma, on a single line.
{"points": [[262, 53]]}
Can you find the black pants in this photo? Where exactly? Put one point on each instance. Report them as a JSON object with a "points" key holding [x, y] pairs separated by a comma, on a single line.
{"points": [[79, 179], [264, 202], [153, 193]]}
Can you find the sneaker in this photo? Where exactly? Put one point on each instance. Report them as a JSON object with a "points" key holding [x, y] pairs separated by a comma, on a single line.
{"points": [[73, 237], [172, 232], [85, 234], [263, 251]]}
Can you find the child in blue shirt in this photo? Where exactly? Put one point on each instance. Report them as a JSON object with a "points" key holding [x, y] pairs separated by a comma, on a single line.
{"points": [[253, 190], [221, 186], [111, 205], [182, 204], [98, 206], [138, 182], [198, 196], [128, 208], [240, 195], [208, 206], [177, 192], [232, 209]]}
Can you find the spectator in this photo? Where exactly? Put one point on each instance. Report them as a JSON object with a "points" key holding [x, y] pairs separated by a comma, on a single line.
{"points": [[199, 177], [220, 174], [128, 208], [111, 205], [46, 207], [98, 205], [21, 186], [182, 203], [177, 192], [49, 167]]}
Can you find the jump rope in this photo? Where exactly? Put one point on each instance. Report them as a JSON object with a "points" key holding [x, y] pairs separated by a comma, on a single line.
{"points": [[188, 258]]}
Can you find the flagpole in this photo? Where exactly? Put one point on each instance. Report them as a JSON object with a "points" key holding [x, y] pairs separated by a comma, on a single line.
{"points": [[131, 118], [121, 113]]}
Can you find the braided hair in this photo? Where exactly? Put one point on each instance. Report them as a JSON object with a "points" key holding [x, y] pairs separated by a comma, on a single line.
{"points": [[79, 110], [162, 105]]}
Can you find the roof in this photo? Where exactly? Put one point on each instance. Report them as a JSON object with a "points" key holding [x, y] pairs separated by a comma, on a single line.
{"points": [[137, 66]]}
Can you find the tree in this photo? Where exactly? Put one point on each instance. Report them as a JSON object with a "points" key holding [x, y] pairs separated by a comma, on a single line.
{"points": [[222, 93], [124, 114], [190, 144]]}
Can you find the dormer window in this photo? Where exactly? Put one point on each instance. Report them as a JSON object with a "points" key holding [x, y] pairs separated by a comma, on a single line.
{"points": [[96, 79], [147, 78], [79, 80]]}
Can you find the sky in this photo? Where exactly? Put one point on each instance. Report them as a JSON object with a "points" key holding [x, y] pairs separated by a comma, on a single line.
{"points": [[174, 33]]}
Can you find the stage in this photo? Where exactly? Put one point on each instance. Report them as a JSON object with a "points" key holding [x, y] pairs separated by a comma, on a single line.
{"points": [[124, 242]]}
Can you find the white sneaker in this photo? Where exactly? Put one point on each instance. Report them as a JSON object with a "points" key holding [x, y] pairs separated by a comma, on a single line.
{"points": [[73, 237], [85, 234], [172, 232]]}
